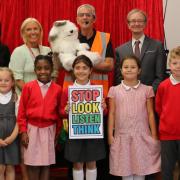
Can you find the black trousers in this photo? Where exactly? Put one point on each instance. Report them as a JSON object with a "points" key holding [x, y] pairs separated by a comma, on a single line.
{"points": [[150, 177], [103, 165], [170, 154]]}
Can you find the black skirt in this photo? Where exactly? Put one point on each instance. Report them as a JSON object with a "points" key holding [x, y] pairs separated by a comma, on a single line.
{"points": [[84, 150]]}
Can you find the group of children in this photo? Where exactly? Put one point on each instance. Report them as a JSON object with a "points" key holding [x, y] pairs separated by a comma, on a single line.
{"points": [[132, 132]]}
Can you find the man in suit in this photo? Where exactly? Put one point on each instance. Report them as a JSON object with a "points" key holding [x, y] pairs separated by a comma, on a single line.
{"points": [[151, 52]]}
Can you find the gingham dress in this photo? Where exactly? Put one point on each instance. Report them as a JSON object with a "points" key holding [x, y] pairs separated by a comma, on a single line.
{"points": [[133, 151], [41, 148]]}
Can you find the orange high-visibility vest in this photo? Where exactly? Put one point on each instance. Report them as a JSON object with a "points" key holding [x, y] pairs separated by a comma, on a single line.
{"points": [[99, 45]]}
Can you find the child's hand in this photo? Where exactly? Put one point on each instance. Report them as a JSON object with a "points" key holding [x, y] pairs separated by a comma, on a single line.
{"points": [[103, 104], [3, 143], [67, 108], [110, 140], [24, 139], [8, 140], [155, 137]]}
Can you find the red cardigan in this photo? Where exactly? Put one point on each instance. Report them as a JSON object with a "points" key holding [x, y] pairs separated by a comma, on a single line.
{"points": [[35, 109], [167, 107]]}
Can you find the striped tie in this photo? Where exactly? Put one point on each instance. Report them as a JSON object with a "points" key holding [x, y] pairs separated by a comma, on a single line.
{"points": [[136, 49]]}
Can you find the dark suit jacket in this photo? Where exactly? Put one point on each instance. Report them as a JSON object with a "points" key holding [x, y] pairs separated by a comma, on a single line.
{"points": [[153, 62], [4, 55]]}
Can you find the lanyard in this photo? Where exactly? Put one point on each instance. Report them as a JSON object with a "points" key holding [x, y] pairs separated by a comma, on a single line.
{"points": [[32, 53]]}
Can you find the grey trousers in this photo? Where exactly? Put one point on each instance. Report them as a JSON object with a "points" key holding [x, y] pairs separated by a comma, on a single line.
{"points": [[170, 154]]}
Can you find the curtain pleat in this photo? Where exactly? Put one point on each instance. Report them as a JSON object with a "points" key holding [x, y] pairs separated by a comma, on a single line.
{"points": [[111, 17]]}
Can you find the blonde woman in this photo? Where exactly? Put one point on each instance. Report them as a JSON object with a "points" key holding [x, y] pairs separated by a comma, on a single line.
{"points": [[22, 58]]}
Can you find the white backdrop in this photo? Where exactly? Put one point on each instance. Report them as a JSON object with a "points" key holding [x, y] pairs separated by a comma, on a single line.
{"points": [[172, 23]]}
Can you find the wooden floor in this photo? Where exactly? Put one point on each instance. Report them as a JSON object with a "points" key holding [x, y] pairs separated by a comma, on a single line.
{"points": [[62, 174], [56, 174], [58, 171]]}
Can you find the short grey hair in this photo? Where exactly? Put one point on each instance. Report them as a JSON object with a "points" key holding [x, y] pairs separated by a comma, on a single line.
{"points": [[87, 6], [137, 11]]}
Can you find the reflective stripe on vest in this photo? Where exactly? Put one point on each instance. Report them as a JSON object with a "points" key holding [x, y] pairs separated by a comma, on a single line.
{"points": [[100, 47], [101, 78]]}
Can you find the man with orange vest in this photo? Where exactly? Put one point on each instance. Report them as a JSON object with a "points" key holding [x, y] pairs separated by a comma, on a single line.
{"points": [[98, 42]]}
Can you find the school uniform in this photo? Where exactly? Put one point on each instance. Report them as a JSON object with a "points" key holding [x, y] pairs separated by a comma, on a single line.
{"points": [[38, 115], [167, 107], [10, 154], [133, 151], [81, 150]]}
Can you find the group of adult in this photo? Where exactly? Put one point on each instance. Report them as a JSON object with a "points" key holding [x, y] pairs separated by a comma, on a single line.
{"points": [[151, 52]]}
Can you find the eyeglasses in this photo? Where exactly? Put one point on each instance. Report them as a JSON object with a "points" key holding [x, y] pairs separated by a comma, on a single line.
{"points": [[85, 14], [139, 21]]}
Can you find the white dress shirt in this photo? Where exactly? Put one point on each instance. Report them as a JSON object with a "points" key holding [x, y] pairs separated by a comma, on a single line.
{"points": [[141, 39]]}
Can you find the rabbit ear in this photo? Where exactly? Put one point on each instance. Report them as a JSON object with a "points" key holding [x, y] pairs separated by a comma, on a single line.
{"points": [[60, 23]]}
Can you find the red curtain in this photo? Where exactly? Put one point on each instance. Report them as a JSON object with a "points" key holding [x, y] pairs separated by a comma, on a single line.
{"points": [[111, 17]]}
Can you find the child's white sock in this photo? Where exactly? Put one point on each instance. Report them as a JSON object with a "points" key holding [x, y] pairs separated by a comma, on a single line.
{"points": [[78, 174], [139, 177], [91, 174], [127, 178], [133, 177]]}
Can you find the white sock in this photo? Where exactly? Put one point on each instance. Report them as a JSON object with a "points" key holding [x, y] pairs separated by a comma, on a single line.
{"points": [[127, 178], [91, 174], [78, 174], [139, 177]]}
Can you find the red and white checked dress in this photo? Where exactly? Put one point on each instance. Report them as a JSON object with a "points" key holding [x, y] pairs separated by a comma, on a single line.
{"points": [[133, 151]]}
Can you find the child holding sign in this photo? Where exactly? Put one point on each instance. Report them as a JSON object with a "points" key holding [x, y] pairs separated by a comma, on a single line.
{"points": [[132, 134], [80, 151]]}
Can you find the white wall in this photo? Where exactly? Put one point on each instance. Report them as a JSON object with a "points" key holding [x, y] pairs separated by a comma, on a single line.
{"points": [[172, 23]]}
